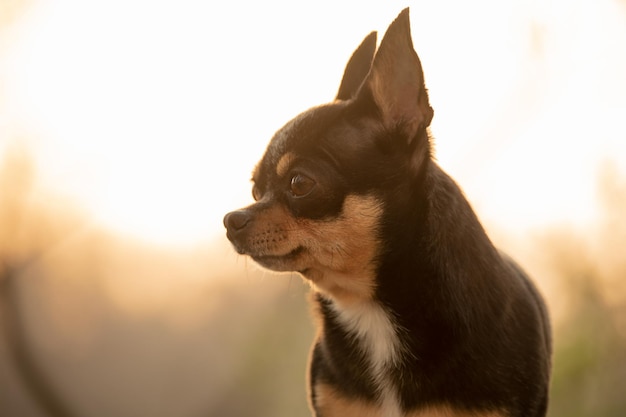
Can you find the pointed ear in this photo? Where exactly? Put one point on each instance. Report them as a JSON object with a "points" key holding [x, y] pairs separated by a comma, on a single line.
{"points": [[396, 81], [357, 68]]}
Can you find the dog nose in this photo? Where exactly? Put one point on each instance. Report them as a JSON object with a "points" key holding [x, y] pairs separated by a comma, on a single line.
{"points": [[237, 220]]}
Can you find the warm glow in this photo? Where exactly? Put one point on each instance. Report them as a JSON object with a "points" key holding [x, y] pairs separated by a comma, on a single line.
{"points": [[152, 117], [128, 128]]}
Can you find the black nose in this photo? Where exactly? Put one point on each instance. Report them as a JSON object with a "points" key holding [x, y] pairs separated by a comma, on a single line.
{"points": [[237, 220]]}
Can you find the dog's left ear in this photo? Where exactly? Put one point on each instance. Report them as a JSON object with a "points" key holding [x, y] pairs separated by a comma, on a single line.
{"points": [[396, 81], [357, 68]]}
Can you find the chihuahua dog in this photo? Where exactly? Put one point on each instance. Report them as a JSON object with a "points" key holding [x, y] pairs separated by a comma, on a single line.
{"points": [[419, 314]]}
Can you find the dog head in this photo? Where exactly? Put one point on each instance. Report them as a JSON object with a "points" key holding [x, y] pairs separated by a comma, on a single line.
{"points": [[333, 176]]}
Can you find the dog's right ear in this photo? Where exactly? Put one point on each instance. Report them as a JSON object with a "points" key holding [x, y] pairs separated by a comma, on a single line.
{"points": [[396, 81], [357, 68]]}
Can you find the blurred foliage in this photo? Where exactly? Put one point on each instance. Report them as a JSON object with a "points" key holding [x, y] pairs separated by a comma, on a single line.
{"points": [[119, 327], [113, 326], [590, 341]]}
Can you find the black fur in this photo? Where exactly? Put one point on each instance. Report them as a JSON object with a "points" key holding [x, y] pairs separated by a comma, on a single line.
{"points": [[474, 330]]}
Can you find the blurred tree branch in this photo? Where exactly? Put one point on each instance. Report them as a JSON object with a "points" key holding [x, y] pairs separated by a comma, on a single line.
{"points": [[19, 348], [18, 251]]}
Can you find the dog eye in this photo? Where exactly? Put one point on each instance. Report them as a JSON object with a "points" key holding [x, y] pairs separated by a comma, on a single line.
{"points": [[301, 185]]}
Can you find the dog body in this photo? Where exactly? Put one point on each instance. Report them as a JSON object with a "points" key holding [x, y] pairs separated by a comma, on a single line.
{"points": [[419, 314]]}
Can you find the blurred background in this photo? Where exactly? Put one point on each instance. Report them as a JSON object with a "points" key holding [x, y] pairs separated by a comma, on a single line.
{"points": [[129, 128]]}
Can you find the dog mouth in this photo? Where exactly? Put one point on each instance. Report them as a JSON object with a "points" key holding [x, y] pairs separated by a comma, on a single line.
{"points": [[277, 260]]}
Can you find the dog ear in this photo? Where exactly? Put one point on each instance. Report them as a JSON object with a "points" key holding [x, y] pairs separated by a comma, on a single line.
{"points": [[396, 80], [357, 68]]}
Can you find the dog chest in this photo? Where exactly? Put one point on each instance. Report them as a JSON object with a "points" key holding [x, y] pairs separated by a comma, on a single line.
{"points": [[376, 334]]}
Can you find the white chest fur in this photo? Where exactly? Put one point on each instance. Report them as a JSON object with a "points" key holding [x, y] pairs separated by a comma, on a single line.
{"points": [[377, 335]]}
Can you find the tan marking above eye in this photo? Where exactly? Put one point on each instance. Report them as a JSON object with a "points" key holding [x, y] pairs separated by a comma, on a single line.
{"points": [[284, 163]]}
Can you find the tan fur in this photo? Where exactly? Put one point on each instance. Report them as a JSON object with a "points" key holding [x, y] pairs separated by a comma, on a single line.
{"points": [[331, 403], [284, 163], [346, 269], [338, 255], [447, 411]]}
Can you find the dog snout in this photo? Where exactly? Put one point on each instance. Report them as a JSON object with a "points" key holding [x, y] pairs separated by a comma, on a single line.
{"points": [[236, 221]]}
